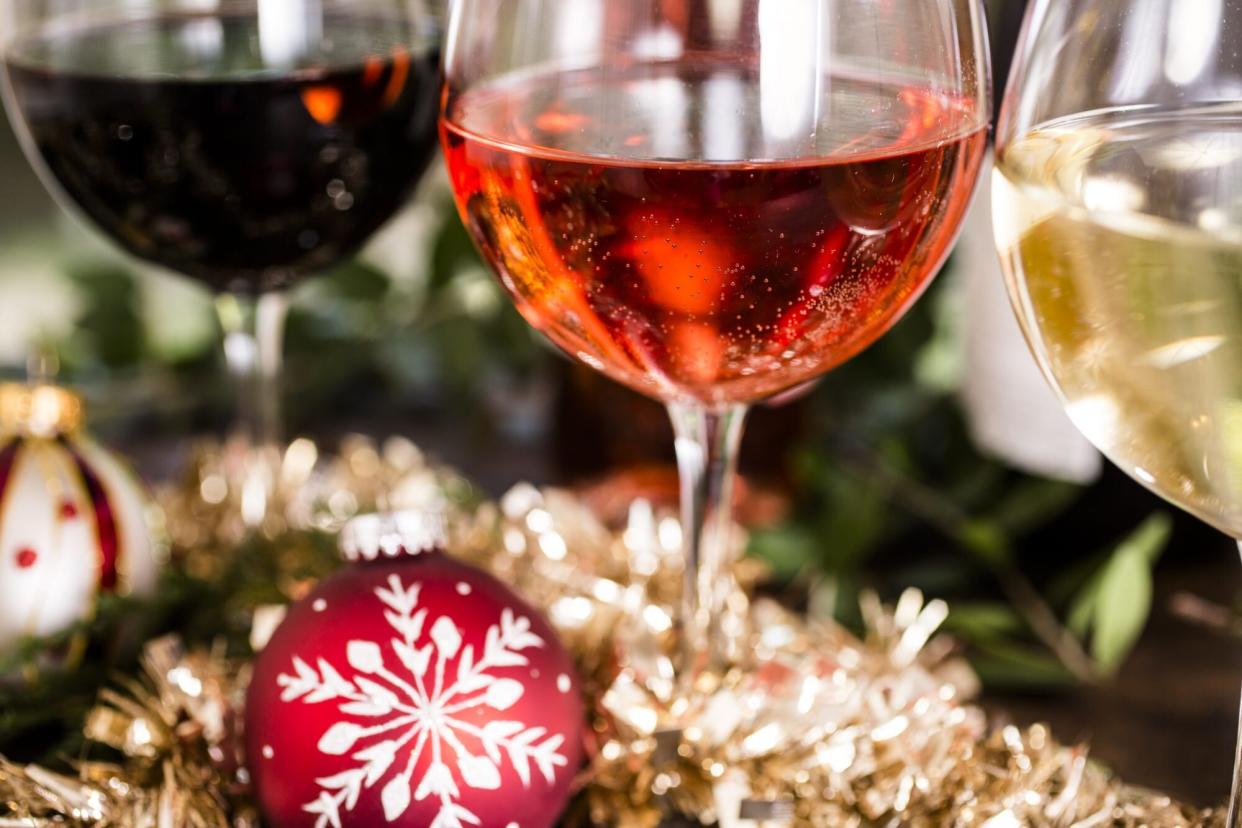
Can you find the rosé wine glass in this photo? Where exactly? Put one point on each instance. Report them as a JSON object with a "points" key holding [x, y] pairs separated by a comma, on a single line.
{"points": [[714, 201]]}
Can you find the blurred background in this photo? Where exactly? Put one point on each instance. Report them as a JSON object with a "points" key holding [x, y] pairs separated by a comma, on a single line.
{"points": [[936, 460]]}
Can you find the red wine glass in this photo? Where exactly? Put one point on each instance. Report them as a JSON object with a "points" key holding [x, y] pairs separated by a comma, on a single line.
{"points": [[714, 201], [245, 144]]}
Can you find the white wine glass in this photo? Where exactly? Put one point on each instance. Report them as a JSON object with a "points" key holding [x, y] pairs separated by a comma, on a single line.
{"points": [[1118, 214]]}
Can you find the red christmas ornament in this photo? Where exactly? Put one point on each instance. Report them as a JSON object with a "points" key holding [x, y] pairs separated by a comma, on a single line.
{"points": [[412, 690]]}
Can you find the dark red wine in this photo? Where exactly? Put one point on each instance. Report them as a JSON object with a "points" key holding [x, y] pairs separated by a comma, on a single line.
{"points": [[756, 266], [196, 144]]}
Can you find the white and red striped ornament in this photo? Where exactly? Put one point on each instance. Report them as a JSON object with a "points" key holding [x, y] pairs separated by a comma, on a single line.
{"points": [[73, 520]]}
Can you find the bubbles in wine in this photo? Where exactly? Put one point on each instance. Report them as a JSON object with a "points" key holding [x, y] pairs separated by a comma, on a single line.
{"points": [[688, 265]]}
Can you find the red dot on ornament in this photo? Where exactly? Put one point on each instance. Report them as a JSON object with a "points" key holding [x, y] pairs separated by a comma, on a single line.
{"points": [[26, 557], [68, 511]]}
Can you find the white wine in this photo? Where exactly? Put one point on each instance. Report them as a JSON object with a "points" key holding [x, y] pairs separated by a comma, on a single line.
{"points": [[1121, 235]]}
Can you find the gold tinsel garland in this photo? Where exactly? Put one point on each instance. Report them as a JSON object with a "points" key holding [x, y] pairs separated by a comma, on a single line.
{"points": [[175, 727], [812, 726]]}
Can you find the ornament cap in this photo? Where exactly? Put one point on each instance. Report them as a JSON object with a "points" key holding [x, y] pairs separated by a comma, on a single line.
{"points": [[393, 535], [39, 410]]}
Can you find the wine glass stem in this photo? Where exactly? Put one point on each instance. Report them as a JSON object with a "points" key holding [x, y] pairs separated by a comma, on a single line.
{"points": [[707, 442], [253, 349], [1234, 819]]}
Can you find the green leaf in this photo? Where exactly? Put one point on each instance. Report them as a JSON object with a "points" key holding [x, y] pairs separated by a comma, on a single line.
{"points": [[857, 515], [109, 328], [978, 622], [987, 542], [1082, 611], [1123, 599], [1113, 605], [452, 250], [938, 574], [940, 363], [1121, 610], [358, 282], [787, 549], [1032, 503], [1149, 540], [1006, 664], [1067, 586]]}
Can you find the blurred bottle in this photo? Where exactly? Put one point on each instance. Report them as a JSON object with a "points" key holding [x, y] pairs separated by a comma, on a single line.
{"points": [[1012, 411]]}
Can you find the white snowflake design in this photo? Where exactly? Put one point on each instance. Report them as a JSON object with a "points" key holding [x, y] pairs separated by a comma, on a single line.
{"points": [[413, 715]]}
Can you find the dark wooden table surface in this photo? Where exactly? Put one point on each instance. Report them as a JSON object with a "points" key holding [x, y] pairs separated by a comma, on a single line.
{"points": [[1168, 721]]}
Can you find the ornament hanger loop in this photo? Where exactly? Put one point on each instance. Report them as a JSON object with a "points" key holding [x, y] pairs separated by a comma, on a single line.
{"points": [[44, 411], [393, 534]]}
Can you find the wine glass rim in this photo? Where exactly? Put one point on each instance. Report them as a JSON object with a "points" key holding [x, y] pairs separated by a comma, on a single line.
{"points": [[78, 19], [794, 162], [17, 44], [1207, 107], [502, 85]]}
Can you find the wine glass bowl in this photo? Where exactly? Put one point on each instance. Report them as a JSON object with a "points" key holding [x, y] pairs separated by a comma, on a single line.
{"points": [[245, 144], [723, 279], [714, 201], [719, 221], [1125, 269], [242, 153], [1118, 214]]}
